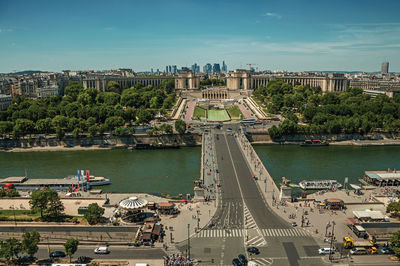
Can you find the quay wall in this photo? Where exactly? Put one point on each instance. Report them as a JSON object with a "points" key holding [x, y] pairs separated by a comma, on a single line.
{"points": [[354, 139], [105, 140]]}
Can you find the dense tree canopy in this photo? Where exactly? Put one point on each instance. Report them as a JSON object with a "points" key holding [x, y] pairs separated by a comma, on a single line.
{"points": [[329, 113], [80, 109]]}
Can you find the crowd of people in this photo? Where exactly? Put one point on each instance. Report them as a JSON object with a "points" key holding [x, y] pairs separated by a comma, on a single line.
{"points": [[177, 260]]}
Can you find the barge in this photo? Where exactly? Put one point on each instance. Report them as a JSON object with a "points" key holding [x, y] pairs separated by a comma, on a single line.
{"points": [[314, 143], [320, 184], [72, 182], [390, 177]]}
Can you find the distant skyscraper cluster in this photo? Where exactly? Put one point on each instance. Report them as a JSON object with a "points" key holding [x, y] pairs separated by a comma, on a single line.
{"points": [[385, 68], [171, 69], [195, 68]]}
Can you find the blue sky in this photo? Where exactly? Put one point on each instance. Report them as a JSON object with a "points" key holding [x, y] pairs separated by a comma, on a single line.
{"points": [[286, 35]]}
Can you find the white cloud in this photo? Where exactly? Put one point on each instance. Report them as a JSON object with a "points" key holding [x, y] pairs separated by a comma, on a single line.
{"points": [[5, 30], [272, 15]]}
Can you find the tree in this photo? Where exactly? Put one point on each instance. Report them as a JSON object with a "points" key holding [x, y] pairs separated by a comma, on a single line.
{"points": [[71, 246], [114, 121], [30, 241], [394, 243], [6, 127], [43, 125], [144, 116], [38, 201], [393, 208], [60, 133], [46, 200], [93, 130], [76, 132], [10, 248], [167, 128], [73, 89], [94, 213], [113, 86], [274, 132], [54, 204], [180, 126]]}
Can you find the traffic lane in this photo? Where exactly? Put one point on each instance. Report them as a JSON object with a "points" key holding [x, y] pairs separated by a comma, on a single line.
{"points": [[74, 228], [263, 215], [115, 252], [230, 190]]}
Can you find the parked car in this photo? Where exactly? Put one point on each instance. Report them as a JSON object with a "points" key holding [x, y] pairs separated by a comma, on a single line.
{"points": [[294, 224], [387, 251], [236, 262], [83, 259], [323, 251], [101, 250], [243, 259], [253, 250], [57, 254], [359, 251]]}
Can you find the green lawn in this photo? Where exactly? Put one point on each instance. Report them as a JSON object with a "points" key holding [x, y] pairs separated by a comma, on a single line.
{"points": [[218, 115], [234, 111], [199, 112]]}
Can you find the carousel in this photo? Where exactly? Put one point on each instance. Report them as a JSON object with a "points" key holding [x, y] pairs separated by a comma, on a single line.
{"points": [[132, 209]]}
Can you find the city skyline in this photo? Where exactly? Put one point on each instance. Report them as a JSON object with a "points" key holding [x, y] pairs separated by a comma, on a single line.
{"points": [[292, 36]]}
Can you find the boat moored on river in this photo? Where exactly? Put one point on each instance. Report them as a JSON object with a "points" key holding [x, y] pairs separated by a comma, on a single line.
{"points": [[71, 182], [314, 143], [319, 184]]}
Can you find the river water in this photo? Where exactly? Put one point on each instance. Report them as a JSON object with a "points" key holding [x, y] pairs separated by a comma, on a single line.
{"points": [[169, 171], [326, 162], [173, 171]]}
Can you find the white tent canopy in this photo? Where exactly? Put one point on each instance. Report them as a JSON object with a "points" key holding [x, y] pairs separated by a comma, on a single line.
{"points": [[133, 203]]}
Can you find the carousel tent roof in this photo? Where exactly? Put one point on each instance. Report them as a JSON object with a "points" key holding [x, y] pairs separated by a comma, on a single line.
{"points": [[133, 203]]}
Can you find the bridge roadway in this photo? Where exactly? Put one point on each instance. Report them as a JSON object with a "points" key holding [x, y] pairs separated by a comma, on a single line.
{"points": [[244, 219]]}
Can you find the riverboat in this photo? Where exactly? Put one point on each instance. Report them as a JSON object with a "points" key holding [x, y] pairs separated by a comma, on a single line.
{"points": [[71, 182], [314, 142], [320, 184]]}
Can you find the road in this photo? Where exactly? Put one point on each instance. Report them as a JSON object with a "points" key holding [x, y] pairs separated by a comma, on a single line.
{"points": [[244, 219], [116, 252]]}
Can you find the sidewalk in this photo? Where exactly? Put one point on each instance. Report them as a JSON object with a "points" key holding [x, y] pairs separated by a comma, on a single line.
{"points": [[319, 222]]}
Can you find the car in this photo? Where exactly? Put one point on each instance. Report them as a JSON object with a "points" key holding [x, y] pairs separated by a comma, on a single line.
{"points": [[101, 250], [387, 251], [57, 254], [236, 262], [359, 251], [243, 259], [294, 224], [253, 250], [323, 251], [83, 259]]}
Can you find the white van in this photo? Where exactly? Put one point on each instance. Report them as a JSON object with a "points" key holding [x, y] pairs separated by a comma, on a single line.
{"points": [[101, 250], [142, 264]]}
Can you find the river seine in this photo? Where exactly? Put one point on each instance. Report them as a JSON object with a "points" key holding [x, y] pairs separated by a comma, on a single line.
{"points": [[173, 171], [151, 171], [326, 162]]}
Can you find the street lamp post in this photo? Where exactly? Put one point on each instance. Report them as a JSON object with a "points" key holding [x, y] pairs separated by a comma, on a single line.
{"points": [[15, 220], [333, 233], [189, 240], [326, 229]]}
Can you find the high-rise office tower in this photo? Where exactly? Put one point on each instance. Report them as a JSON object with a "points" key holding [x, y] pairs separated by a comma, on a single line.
{"points": [[385, 68], [195, 68], [174, 69], [224, 67], [216, 68], [207, 69]]}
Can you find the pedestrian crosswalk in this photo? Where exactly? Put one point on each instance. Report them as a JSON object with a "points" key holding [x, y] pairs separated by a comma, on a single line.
{"points": [[248, 219], [292, 232], [221, 233], [263, 261], [255, 241]]}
